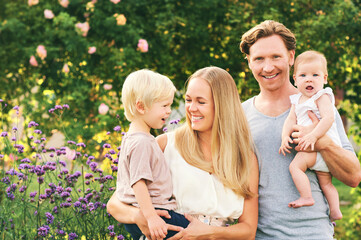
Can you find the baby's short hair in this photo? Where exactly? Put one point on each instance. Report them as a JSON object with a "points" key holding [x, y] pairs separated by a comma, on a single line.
{"points": [[309, 56], [147, 87]]}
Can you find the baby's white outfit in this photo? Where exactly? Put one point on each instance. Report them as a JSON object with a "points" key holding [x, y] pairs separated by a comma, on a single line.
{"points": [[303, 120]]}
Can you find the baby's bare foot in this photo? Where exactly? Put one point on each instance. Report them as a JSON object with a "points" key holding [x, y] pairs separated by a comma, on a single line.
{"points": [[301, 202], [335, 214]]}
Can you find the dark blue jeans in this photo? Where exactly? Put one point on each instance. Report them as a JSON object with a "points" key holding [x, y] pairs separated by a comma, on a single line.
{"points": [[176, 219]]}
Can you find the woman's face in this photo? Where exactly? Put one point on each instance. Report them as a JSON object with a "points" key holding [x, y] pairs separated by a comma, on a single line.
{"points": [[200, 105]]}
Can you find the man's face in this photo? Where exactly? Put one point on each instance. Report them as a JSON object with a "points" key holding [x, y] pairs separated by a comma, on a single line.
{"points": [[270, 62]]}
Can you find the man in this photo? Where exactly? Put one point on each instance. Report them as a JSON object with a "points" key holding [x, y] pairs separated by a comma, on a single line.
{"points": [[270, 49]]}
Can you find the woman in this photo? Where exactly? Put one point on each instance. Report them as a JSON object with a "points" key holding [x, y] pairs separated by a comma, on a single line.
{"points": [[214, 170]]}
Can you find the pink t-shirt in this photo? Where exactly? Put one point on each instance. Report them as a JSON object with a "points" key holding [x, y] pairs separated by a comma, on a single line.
{"points": [[141, 158]]}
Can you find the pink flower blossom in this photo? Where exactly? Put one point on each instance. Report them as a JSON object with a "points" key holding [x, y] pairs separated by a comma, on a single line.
{"points": [[115, 1], [64, 3], [41, 51], [103, 109], [65, 68], [70, 154], [94, 1], [121, 20], [143, 45], [108, 86], [92, 50], [48, 14], [83, 27], [33, 2], [33, 61]]}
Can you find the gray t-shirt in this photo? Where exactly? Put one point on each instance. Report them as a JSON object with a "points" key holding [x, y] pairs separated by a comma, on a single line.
{"points": [[276, 188], [141, 158]]}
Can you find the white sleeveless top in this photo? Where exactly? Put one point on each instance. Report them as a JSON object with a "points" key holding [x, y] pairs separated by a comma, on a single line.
{"points": [[197, 191]]}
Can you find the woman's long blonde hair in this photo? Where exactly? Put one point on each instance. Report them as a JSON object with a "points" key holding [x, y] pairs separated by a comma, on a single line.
{"points": [[231, 142]]}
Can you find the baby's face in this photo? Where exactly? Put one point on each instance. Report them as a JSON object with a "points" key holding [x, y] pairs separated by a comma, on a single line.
{"points": [[310, 78]]}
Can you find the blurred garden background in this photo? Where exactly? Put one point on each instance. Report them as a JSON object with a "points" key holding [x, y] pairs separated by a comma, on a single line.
{"points": [[62, 65]]}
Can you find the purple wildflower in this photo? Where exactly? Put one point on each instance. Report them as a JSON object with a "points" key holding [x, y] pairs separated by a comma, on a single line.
{"points": [[58, 107], [4, 134], [33, 194], [60, 232], [49, 218], [6, 180], [22, 189], [66, 106], [37, 131], [32, 124], [117, 128], [11, 172], [65, 205], [40, 180], [10, 195], [43, 230], [55, 210], [111, 228], [25, 160], [120, 237], [72, 236], [77, 204], [88, 175], [62, 163], [81, 145], [93, 166], [109, 177], [106, 145]]}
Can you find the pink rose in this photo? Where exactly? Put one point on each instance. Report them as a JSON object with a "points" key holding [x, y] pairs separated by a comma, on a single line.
{"points": [[64, 3], [48, 14], [70, 154], [33, 2], [115, 1], [107, 86], [143, 45], [103, 109], [92, 50], [33, 61], [83, 27], [121, 20], [41, 51], [65, 68]]}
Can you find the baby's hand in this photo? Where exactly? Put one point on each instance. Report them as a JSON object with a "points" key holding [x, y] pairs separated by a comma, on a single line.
{"points": [[306, 141], [157, 227], [285, 145]]}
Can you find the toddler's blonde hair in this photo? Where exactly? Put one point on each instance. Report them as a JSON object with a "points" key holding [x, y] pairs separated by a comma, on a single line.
{"points": [[147, 87]]}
